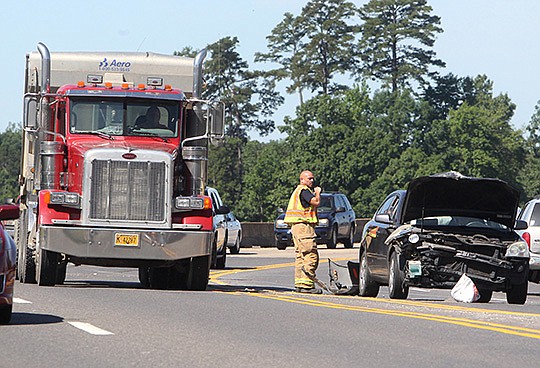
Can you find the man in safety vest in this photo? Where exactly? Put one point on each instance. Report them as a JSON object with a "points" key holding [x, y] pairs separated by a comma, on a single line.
{"points": [[301, 215]]}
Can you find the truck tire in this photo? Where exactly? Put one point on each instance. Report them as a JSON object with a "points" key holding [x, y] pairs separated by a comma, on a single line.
{"points": [[198, 274], [396, 278], [47, 267], [5, 314], [366, 285], [158, 277], [26, 266], [61, 271], [518, 293], [143, 277]]}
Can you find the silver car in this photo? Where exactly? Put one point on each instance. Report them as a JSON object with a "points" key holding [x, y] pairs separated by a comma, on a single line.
{"points": [[234, 233], [531, 215]]}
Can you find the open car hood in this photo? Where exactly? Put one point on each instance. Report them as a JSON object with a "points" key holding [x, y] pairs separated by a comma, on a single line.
{"points": [[452, 194]]}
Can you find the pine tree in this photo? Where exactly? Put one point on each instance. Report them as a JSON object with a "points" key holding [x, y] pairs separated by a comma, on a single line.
{"points": [[395, 34]]}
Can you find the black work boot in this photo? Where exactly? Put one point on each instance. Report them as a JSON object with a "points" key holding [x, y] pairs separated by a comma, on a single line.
{"points": [[308, 290]]}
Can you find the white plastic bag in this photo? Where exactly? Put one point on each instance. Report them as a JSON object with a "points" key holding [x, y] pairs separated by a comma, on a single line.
{"points": [[465, 290]]}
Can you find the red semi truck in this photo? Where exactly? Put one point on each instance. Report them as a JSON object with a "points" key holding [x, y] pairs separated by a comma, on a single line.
{"points": [[113, 167]]}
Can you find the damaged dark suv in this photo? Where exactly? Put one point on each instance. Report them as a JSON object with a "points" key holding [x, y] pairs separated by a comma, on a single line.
{"points": [[441, 227]]}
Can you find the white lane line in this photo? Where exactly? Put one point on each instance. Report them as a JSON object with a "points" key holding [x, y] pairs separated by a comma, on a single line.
{"points": [[21, 301], [91, 329]]}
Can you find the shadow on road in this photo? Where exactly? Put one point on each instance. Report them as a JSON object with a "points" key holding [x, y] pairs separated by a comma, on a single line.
{"points": [[33, 319], [101, 284]]}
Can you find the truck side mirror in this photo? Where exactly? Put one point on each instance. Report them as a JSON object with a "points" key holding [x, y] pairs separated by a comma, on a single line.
{"points": [[216, 122], [30, 112]]}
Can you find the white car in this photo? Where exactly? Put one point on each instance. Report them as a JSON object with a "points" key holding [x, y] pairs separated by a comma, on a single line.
{"points": [[234, 233], [220, 211], [531, 214]]}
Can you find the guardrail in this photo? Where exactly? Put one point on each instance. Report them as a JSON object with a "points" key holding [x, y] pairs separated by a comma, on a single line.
{"points": [[262, 233]]}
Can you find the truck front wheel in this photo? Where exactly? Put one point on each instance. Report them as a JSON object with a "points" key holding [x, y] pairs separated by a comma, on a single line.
{"points": [[198, 274], [47, 267]]}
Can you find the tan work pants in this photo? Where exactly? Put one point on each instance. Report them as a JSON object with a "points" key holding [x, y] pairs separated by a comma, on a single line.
{"points": [[306, 253]]}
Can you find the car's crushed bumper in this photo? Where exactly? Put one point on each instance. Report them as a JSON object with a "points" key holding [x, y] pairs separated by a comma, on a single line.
{"points": [[440, 261]]}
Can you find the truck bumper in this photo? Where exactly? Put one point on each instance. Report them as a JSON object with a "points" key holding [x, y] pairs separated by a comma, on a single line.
{"points": [[153, 245]]}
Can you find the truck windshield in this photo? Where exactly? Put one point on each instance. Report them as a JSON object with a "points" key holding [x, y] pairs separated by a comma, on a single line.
{"points": [[128, 117]]}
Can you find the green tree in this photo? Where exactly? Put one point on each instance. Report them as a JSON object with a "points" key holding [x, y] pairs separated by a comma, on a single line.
{"points": [[348, 139], [268, 180], [529, 176], [329, 48], [314, 47], [396, 39], [249, 98], [477, 139], [226, 171], [284, 46], [10, 153]]}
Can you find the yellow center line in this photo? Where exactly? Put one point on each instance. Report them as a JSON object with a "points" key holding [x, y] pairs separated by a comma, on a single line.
{"points": [[483, 325]]}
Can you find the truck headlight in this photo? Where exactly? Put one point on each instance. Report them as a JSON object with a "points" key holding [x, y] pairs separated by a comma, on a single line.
{"points": [[280, 224], [518, 249], [192, 203], [63, 198]]}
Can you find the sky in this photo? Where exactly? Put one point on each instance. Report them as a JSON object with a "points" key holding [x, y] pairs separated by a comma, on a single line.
{"points": [[498, 38]]}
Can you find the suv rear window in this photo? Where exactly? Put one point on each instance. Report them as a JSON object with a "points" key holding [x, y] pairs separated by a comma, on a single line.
{"points": [[326, 203]]}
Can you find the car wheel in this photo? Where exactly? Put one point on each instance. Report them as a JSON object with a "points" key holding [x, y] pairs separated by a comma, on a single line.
{"points": [[396, 279], [518, 293], [236, 248], [280, 245], [485, 296], [366, 285], [332, 242], [349, 242], [5, 314], [221, 258]]}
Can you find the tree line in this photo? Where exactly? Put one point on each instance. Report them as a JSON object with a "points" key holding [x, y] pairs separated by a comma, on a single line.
{"points": [[375, 109]]}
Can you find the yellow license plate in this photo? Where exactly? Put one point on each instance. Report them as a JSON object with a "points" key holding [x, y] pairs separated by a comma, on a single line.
{"points": [[126, 240]]}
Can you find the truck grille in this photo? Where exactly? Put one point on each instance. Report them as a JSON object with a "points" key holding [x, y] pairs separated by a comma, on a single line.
{"points": [[128, 190]]}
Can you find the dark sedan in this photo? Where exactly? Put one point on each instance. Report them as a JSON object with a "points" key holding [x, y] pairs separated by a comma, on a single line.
{"points": [[8, 259], [441, 227]]}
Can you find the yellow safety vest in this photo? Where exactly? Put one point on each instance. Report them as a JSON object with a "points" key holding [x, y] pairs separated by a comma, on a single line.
{"points": [[297, 213]]}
